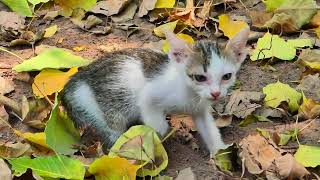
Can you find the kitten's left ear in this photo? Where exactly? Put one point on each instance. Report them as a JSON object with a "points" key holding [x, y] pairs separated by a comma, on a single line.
{"points": [[237, 45], [179, 49]]}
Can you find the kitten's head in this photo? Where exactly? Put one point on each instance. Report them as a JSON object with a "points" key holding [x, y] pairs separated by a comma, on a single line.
{"points": [[210, 69]]}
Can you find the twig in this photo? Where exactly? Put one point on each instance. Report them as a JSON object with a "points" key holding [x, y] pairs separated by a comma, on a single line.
{"points": [[3, 49]]}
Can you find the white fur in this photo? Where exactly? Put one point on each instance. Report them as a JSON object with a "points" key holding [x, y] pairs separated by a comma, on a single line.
{"points": [[84, 97]]}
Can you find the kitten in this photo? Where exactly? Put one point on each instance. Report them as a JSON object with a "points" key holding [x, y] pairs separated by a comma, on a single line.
{"points": [[112, 93]]}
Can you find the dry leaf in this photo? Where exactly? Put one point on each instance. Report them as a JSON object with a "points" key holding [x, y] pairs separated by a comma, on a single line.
{"points": [[11, 20], [49, 81], [257, 153], [3, 114], [79, 48], [186, 174], [310, 86], [5, 172], [187, 16], [240, 103], [289, 168], [6, 86], [310, 58], [204, 13], [184, 122], [126, 15], [110, 7], [223, 121], [13, 150], [259, 18], [146, 6], [309, 108]]}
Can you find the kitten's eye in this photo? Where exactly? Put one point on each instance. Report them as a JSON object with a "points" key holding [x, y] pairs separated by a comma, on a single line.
{"points": [[226, 76], [200, 78]]}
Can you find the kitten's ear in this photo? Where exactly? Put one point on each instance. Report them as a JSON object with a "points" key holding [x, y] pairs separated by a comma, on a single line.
{"points": [[237, 45], [179, 49]]}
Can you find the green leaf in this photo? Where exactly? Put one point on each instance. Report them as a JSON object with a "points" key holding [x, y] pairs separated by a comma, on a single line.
{"points": [[223, 158], [252, 118], [271, 5], [263, 132], [141, 143], [69, 5], [287, 136], [57, 166], [52, 58], [107, 168], [61, 135], [274, 46], [279, 92], [35, 2], [19, 6], [308, 156]]}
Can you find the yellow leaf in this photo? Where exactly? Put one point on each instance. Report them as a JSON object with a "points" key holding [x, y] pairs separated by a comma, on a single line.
{"points": [[168, 26], [37, 138], [79, 48], [50, 31], [229, 27], [279, 92], [317, 30], [113, 168], [49, 81], [165, 3], [185, 37]]}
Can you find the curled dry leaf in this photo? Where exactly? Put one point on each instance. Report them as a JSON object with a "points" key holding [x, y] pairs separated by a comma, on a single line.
{"points": [[110, 7], [13, 150], [146, 6], [310, 58], [3, 114], [242, 103], [6, 86], [289, 168], [5, 172], [11, 20], [257, 153], [186, 174], [309, 109], [259, 18], [310, 86], [126, 15]]}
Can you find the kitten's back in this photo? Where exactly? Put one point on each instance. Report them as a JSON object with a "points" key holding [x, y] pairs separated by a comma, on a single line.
{"points": [[103, 94]]}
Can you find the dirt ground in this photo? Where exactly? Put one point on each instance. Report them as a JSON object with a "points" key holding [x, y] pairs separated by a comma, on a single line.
{"points": [[181, 155]]}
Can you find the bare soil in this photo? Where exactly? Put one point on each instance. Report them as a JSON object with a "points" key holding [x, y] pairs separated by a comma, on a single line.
{"points": [[181, 155]]}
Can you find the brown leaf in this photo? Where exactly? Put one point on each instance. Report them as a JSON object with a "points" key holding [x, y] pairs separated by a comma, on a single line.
{"points": [[3, 114], [13, 150], [35, 112], [11, 20], [309, 109], [186, 174], [184, 122], [257, 153], [187, 16], [127, 14], [204, 13], [146, 6], [223, 121], [110, 7], [310, 85], [289, 168], [259, 18], [6, 86], [5, 172], [240, 103]]}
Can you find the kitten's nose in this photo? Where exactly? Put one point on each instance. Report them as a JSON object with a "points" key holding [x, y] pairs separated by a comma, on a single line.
{"points": [[215, 94]]}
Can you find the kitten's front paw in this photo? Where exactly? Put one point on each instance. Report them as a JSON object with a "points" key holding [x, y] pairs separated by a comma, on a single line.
{"points": [[163, 130], [217, 147]]}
